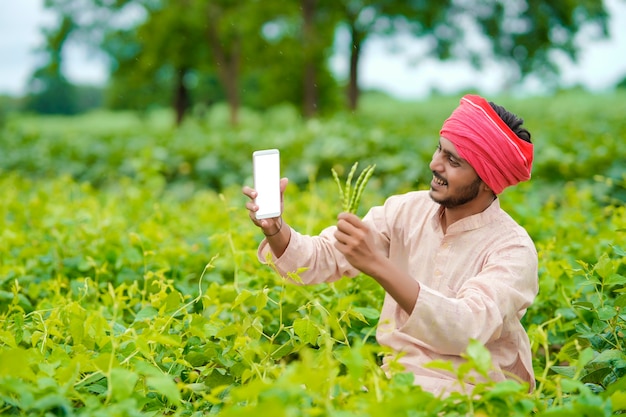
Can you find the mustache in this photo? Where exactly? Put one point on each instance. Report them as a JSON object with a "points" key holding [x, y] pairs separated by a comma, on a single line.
{"points": [[439, 177]]}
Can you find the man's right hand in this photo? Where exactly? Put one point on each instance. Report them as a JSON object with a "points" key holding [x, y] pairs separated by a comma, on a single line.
{"points": [[275, 230], [272, 226]]}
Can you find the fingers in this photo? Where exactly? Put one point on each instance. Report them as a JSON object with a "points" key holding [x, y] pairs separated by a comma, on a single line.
{"points": [[348, 233], [249, 192], [350, 218], [351, 233], [250, 204], [345, 228], [267, 225], [350, 223]]}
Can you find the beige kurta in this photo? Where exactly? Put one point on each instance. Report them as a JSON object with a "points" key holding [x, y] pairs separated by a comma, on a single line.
{"points": [[477, 281]]}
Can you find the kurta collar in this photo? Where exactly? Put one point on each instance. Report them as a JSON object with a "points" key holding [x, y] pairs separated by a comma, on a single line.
{"points": [[472, 222]]}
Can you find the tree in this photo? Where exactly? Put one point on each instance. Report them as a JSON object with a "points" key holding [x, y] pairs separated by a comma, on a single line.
{"points": [[526, 36], [190, 37], [81, 21], [228, 40], [523, 35], [226, 37], [49, 91], [157, 56], [297, 40]]}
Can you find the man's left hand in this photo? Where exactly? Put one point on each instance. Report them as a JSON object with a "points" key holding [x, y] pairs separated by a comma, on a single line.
{"points": [[356, 243]]}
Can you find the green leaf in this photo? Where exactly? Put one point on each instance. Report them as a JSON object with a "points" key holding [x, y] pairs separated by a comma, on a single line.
{"points": [[570, 385], [306, 330], [620, 301], [568, 371], [615, 279], [122, 383], [18, 328], [441, 364], [506, 388], [173, 302], [606, 313], [260, 301], [586, 356], [229, 330], [404, 379], [91, 379], [164, 385], [618, 400], [282, 350], [242, 297], [604, 267], [352, 358], [295, 276], [16, 362], [146, 313], [480, 356], [616, 358], [53, 401], [619, 251], [596, 376], [617, 386], [368, 312], [584, 305]]}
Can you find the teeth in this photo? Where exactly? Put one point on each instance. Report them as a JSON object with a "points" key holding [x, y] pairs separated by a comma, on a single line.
{"points": [[440, 182]]}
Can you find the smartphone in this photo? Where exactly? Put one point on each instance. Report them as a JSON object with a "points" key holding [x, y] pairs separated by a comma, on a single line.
{"points": [[266, 171]]}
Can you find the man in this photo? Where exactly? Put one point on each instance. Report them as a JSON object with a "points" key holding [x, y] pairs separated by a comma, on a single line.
{"points": [[453, 264]]}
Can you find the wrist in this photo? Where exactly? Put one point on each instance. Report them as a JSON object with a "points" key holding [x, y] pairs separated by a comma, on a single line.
{"points": [[280, 226]]}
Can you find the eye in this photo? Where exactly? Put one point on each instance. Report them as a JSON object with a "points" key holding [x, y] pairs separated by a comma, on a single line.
{"points": [[453, 162], [438, 148]]}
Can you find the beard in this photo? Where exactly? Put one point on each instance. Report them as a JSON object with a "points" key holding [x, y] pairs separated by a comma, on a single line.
{"points": [[464, 195]]}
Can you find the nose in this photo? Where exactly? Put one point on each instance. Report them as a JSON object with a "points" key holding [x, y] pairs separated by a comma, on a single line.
{"points": [[435, 162]]}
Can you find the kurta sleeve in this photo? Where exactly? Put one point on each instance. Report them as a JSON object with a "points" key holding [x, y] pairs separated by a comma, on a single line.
{"points": [[318, 255], [486, 305], [315, 256]]}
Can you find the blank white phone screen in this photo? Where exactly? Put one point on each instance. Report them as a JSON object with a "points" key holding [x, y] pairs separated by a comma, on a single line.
{"points": [[266, 166]]}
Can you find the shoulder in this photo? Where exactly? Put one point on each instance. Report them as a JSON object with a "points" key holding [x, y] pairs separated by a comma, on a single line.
{"points": [[511, 233]]}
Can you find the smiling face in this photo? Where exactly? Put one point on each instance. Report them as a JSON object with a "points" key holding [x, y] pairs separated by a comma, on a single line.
{"points": [[455, 183]]}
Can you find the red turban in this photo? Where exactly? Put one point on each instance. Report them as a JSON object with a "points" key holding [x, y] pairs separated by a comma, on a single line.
{"points": [[487, 143]]}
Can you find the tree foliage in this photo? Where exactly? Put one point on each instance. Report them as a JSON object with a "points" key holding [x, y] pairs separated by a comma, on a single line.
{"points": [[261, 53], [49, 90]]}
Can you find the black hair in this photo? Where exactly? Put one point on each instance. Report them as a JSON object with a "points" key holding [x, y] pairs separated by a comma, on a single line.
{"points": [[513, 121]]}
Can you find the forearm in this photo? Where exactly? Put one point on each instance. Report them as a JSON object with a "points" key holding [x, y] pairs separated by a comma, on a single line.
{"points": [[313, 257], [397, 283]]}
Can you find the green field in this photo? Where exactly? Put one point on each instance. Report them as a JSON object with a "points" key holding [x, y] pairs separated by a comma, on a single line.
{"points": [[129, 284]]}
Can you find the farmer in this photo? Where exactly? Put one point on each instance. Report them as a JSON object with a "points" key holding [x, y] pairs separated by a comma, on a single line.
{"points": [[453, 264]]}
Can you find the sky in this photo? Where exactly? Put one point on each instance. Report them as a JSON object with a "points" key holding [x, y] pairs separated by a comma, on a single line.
{"points": [[602, 63]]}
